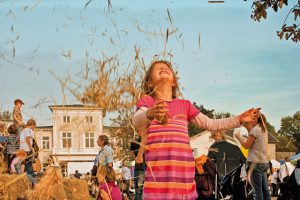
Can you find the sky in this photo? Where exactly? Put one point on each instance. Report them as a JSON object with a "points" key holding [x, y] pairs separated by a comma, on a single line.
{"points": [[239, 63]]}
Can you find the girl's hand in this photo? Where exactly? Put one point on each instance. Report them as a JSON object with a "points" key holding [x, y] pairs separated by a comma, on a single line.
{"points": [[250, 115], [158, 111]]}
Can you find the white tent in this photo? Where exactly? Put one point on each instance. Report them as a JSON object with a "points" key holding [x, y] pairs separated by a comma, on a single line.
{"points": [[275, 164]]}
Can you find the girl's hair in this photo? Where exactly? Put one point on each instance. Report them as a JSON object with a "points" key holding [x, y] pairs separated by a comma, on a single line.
{"points": [[262, 122], [147, 85], [108, 172], [21, 153]]}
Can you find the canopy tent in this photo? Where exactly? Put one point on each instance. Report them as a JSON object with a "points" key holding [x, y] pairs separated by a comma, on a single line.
{"points": [[295, 157], [275, 164]]}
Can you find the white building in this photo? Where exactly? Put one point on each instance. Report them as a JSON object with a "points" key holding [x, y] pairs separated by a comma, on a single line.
{"points": [[72, 140]]}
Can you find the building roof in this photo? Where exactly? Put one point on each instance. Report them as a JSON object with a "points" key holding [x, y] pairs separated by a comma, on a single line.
{"points": [[44, 127], [74, 107]]}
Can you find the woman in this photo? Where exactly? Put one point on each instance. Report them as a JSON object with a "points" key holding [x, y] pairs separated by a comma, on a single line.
{"points": [[257, 161]]}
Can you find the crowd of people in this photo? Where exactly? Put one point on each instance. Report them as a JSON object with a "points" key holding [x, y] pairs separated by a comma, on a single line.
{"points": [[165, 167]]}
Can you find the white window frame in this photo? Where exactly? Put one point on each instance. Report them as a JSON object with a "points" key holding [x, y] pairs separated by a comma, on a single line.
{"points": [[42, 140], [89, 137], [66, 119], [62, 138], [89, 119]]}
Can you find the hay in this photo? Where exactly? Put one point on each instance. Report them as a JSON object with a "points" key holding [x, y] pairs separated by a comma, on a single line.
{"points": [[3, 164], [76, 189], [13, 186]]}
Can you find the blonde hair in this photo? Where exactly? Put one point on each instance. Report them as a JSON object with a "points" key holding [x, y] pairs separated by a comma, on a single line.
{"points": [[218, 135], [147, 85], [108, 172], [31, 122], [21, 153]]}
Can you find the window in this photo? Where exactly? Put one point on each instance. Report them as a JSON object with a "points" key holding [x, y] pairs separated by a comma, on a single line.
{"points": [[89, 140], [89, 119], [66, 119], [66, 139], [46, 142]]}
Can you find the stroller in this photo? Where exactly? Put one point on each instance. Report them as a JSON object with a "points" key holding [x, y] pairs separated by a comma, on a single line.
{"points": [[233, 187], [228, 158], [289, 190]]}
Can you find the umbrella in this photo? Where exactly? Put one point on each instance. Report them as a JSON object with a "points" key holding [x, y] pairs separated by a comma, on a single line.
{"points": [[296, 157], [275, 164]]}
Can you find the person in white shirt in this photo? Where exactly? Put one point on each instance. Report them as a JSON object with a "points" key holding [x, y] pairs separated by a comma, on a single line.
{"points": [[126, 180], [286, 170], [26, 143]]}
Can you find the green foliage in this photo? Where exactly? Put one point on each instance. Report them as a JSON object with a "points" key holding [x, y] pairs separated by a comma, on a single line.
{"points": [[292, 31], [122, 134], [194, 130], [290, 127], [6, 115]]}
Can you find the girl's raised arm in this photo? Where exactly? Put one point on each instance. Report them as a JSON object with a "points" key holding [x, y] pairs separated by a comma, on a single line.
{"points": [[226, 123]]}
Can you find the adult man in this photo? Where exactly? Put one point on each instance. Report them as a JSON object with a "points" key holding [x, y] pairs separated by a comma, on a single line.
{"points": [[105, 155], [77, 174]]}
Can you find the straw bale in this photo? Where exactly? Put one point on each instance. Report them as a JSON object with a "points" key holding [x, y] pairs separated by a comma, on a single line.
{"points": [[13, 186], [76, 189]]}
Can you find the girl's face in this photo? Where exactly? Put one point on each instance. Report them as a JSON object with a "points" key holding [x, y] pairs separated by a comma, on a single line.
{"points": [[162, 72]]}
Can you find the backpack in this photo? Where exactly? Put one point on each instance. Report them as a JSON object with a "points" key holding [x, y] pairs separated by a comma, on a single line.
{"points": [[205, 181]]}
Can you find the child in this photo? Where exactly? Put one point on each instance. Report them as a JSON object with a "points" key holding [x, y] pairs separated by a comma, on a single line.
{"points": [[50, 186], [13, 142], [108, 189], [15, 166], [170, 162], [17, 115], [26, 143]]}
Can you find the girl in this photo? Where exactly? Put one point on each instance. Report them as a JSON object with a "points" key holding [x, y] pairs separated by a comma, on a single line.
{"points": [[170, 162], [257, 160], [50, 186], [108, 189], [15, 166]]}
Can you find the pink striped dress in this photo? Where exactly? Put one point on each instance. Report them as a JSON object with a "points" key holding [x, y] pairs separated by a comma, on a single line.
{"points": [[170, 161]]}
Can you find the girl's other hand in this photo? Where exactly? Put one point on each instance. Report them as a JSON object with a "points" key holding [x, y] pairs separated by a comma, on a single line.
{"points": [[157, 111], [250, 115]]}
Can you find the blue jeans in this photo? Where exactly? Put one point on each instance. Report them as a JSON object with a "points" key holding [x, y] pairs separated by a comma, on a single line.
{"points": [[259, 181], [139, 173]]}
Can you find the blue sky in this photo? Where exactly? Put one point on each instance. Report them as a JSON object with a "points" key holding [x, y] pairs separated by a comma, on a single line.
{"points": [[241, 63]]}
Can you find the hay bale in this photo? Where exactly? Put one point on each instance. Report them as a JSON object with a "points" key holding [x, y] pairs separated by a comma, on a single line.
{"points": [[3, 164], [76, 189], [13, 186]]}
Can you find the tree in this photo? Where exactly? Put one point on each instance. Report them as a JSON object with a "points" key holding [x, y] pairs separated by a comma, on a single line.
{"points": [[122, 134], [193, 129], [290, 127], [6, 115], [288, 31]]}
